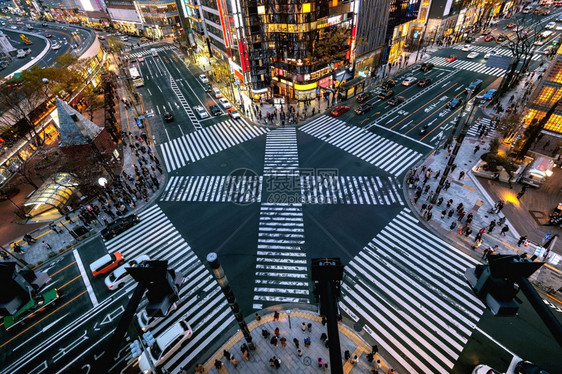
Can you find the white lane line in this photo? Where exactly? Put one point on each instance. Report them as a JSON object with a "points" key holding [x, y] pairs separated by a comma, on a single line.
{"points": [[85, 278]]}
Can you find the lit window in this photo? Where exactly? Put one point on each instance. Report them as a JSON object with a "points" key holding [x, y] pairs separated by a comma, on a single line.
{"points": [[306, 8], [261, 9]]}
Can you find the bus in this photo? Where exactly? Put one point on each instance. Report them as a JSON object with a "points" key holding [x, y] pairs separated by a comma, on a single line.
{"points": [[136, 77], [541, 38]]}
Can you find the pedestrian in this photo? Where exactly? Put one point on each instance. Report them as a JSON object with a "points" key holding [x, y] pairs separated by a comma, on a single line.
{"points": [[320, 362], [54, 227], [447, 185], [522, 240], [226, 354], [370, 357], [276, 331], [258, 317], [428, 216], [469, 218], [440, 201], [299, 353], [443, 213], [273, 341], [310, 327], [477, 244], [453, 225], [265, 333], [307, 342], [199, 369], [303, 326], [218, 364], [505, 229], [449, 203], [324, 321], [29, 239], [492, 225], [276, 316], [283, 341], [46, 245], [476, 149], [323, 337], [486, 253], [375, 349], [450, 214], [246, 355], [430, 196], [520, 194], [453, 167], [461, 175], [354, 360], [347, 355], [437, 174], [426, 189], [460, 207], [296, 341], [325, 368]]}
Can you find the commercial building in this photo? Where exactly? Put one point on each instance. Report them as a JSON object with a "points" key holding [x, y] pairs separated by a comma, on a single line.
{"points": [[160, 18], [125, 16]]}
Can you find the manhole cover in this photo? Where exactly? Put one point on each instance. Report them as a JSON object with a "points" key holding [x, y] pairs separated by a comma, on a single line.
{"points": [[357, 326], [307, 361]]}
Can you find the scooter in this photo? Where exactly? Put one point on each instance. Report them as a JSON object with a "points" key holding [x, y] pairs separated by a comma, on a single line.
{"points": [[423, 130]]}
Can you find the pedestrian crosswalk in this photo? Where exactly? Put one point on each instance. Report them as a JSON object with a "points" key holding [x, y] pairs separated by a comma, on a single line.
{"points": [[192, 117], [362, 190], [484, 127], [407, 287], [207, 141], [381, 152], [147, 52], [241, 189], [468, 65], [281, 264], [499, 51], [281, 153], [201, 301]]}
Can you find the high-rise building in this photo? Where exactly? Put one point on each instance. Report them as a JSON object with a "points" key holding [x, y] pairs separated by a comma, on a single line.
{"points": [[160, 18], [124, 16], [547, 94]]}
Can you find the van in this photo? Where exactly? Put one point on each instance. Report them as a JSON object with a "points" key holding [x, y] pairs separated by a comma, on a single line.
{"points": [[474, 86], [537, 171], [106, 263], [217, 93], [165, 346]]}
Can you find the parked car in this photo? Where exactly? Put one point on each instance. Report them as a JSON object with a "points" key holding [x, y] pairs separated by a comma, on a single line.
{"points": [[106, 263], [118, 226], [119, 277], [203, 78], [457, 101], [396, 100], [168, 117], [201, 112], [233, 113], [363, 108], [165, 345], [385, 94], [466, 48], [224, 103], [426, 66], [339, 110], [451, 58], [472, 55], [409, 81], [489, 38], [215, 110], [364, 96], [424, 82]]}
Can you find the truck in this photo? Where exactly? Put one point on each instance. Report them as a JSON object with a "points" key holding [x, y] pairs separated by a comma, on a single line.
{"points": [[136, 77], [37, 303]]}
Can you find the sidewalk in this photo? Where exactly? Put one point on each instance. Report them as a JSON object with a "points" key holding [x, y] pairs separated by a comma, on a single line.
{"points": [[259, 359]]}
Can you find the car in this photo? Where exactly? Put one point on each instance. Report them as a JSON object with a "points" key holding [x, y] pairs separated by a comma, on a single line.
{"points": [[3, 23], [124, 38], [118, 226], [233, 113], [559, 18], [510, 25], [491, 53], [48, 35], [201, 111], [424, 82], [14, 27], [207, 87], [224, 103], [364, 96], [215, 110], [165, 345], [35, 305], [466, 48], [101, 37], [396, 100], [500, 38], [44, 24], [363, 108], [55, 46], [489, 38], [469, 39], [154, 53], [484, 369], [120, 276], [489, 95], [527, 9], [339, 110], [140, 59], [147, 322], [387, 84], [559, 27], [426, 66], [106, 263], [409, 81], [485, 32], [29, 27], [143, 39], [27, 51], [168, 117], [474, 85], [21, 53], [527, 367], [472, 55], [457, 101], [550, 25], [451, 58], [385, 94], [203, 78]]}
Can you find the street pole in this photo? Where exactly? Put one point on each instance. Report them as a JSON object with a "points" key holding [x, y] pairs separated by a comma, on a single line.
{"points": [[463, 132], [219, 275]]}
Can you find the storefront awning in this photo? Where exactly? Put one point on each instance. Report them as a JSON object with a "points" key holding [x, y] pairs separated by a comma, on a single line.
{"points": [[53, 193], [352, 83]]}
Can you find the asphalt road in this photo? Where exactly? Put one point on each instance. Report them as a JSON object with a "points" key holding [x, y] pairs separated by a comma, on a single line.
{"points": [[268, 201]]}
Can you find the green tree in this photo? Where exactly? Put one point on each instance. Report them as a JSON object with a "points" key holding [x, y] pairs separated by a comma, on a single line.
{"points": [[115, 45], [332, 45]]}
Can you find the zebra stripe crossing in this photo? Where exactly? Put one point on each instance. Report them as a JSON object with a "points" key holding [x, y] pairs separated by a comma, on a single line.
{"points": [[412, 269], [281, 264], [381, 152], [499, 51], [147, 52], [192, 117], [227, 189], [362, 190], [281, 152], [484, 123], [206, 142], [468, 65], [201, 300]]}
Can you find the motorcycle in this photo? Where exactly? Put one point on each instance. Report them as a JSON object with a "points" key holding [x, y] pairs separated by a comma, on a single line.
{"points": [[423, 130]]}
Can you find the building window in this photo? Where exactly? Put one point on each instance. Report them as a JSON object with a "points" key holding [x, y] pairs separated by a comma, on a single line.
{"points": [[306, 8], [261, 9]]}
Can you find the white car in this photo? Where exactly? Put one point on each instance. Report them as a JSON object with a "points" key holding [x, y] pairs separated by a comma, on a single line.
{"points": [[124, 38], [559, 27], [466, 48], [14, 27], [550, 25], [472, 55], [224, 103], [118, 277], [140, 59], [201, 111], [21, 53], [203, 78], [165, 346], [409, 81], [55, 46], [491, 53], [147, 322], [484, 369]]}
